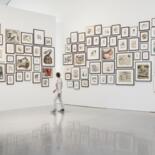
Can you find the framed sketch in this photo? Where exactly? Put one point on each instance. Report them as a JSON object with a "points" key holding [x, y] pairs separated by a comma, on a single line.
{"points": [[28, 49], [103, 41], [113, 41], [2, 52], [82, 37], [10, 58], [94, 80], [96, 40], [2, 72], [10, 68], [47, 72], [13, 36], [19, 49], [74, 37], [10, 48], [19, 77], [122, 44], [108, 53], [27, 76], [48, 41], [68, 59], [48, 56], [10, 79], [125, 77], [103, 79], [68, 48], [110, 79], [23, 63], [84, 73], [124, 60], [106, 31], [116, 29], [36, 68], [90, 30], [89, 41], [27, 38], [75, 73], [45, 82], [81, 47], [145, 55], [76, 85], [80, 59], [153, 22], [36, 61], [70, 84], [68, 40], [133, 44], [144, 46], [1, 39], [137, 55], [153, 47], [144, 36], [36, 77], [95, 67], [125, 32], [108, 67], [93, 53], [144, 25], [153, 32], [39, 37], [134, 31], [36, 51], [68, 76], [74, 48], [84, 83], [98, 29], [144, 71]]}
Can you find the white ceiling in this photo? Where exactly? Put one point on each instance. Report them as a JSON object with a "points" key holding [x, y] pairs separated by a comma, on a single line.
{"points": [[4, 2]]}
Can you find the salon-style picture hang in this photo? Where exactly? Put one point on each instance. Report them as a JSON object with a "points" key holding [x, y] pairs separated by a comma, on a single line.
{"points": [[108, 55]]}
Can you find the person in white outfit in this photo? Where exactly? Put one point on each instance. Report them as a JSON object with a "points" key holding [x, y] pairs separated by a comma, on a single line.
{"points": [[58, 93]]}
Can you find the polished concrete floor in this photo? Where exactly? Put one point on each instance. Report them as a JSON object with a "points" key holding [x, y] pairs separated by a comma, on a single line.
{"points": [[79, 131]]}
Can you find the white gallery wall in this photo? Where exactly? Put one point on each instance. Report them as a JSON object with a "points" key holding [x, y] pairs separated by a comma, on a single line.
{"points": [[75, 15], [24, 94]]}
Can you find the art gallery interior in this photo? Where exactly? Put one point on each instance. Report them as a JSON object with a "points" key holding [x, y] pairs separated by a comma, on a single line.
{"points": [[105, 52]]}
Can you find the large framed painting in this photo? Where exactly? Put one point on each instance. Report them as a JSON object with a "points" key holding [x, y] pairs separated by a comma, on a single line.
{"points": [[39, 37], [74, 37], [80, 59], [84, 83], [27, 38], [68, 59], [75, 73], [84, 73], [95, 67], [108, 67], [93, 53], [94, 79], [108, 53], [2, 72], [122, 45]]}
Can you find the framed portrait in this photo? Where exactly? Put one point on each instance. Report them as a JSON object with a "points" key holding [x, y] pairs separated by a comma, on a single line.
{"points": [[45, 82], [47, 72], [36, 51], [19, 49], [1, 39], [68, 59], [70, 84], [110, 79], [36, 68], [144, 36], [113, 41], [93, 53], [27, 38], [13, 36], [68, 76], [75, 73], [94, 80], [27, 76], [19, 76], [125, 32], [98, 29], [77, 85], [48, 41], [124, 60], [89, 41], [68, 40], [145, 55], [10, 58], [116, 29], [36, 77], [103, 79], [68, 48], [144, 25], [137, 55], [104, 41], [125, 77], [95, 67], [153, 32], [96, 40], [48, 56], [10, 48], [85, 83], [74, 48], [81, 47], [82, 37], [144, 46], [28, 49], [153, 47], [36, 60], [10, 68], [134, 31], [90, 31], [106, 31], [39, 37], [74, 37], [23, 63], [144, 71], [108, 53], [10, 79], [153, 22], [133, 44], [108, 67], [2, 72], [122, 44], [84, 73], [80, 59]]}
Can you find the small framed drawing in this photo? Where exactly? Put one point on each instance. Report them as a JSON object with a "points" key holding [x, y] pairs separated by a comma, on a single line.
{"points": [[36, 51], [125, 32], [108, 67], [84, 73], [48, 56], [27, 38], [10, 58], [125, 77], [76, 85], [98, 29], [124, 60], [153, 22], [36, 68], [93, 53], [28, 49], [19, 77], [2, 72], [96, 40], [110, 79], [47, 72], [19, 49], [68, 59], [36, 61], [74, 48], [10, 79], [10, 48], [144, 36], [95, 67], [104, 42], [36, 77], [68, 48], [74, 37], [39, 37], [48, 41], [45, 82], [1, 39], [106, 31], [89, 41], [85, 83], [133, 44], [75, 73], [113, 41], [80, 59], [81, 47], [68, 76], [70, 84], [10, 68], [68, 40], [144, 25], [108, 53], [103, 79], [153, 32], [82, 37], [90, 30], [134, 31], [144, 46], [1, 52], [94, 80], [122, 45], [27, 76], [144, 71], [153, 47], [137, 55], [116, 29], [145, 55]]}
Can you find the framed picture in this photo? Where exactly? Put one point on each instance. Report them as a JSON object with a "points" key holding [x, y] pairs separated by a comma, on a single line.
{"points": [[84, 73], [68, 40], [2, 52], [19, 49], [68, 59], [106, 31], [116, 29], [113, 41], [96, 40], [153, 32], [36, 68], [144, 25], [36, 77], [70, 84], [36, 51], [134, 31], [110, 79], [103, 79], [36, 60], [76, 85], [10, 68], [137, 55], [28, 49], [144, 46], [19, 77], [93, 53], [48, 56], [124, 60], [98, 29], [133, 44], [108, 53], [145, 55], [122, 44], [39, 37], [144, 36], [68, 48], [125, 77], [75, 73], [82, 37], [13, 36], [94, 80], [45, 82], [80, 59], [27, 38], [74, 37], [153, 47], [104, 42], [68, 76], [1, 39], [10, 48], [27, 76], [89, 41], [2, 72], [10, 79], [95, 67], [10, 58], [90, 30], [47, 72], [84, 83], [108, 67], [74, 48], [125, 32], [48, 41], [81, 48], [23, 63], [153, 22], [144, 71]]}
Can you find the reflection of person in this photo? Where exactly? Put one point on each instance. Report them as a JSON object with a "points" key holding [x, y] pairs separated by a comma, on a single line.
{"points": [[58, 93]]}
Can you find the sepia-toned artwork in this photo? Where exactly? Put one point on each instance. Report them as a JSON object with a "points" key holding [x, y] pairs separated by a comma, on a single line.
{"points": [[47, 72], [28, 49], [125, 32], [116, 29], [19, 76], [133, 44], [74, 37], [113, 41], [103, 79], [2, 72], [108, 53], [134, 31], [19, 49], [68, 59], [122, 44], [84, 73], [48, 41], [144, 25], [36, 51], [79, 59], [106, 31], [96, 40], [39, 37], [45, 82], [108, 67], [94, 80], [89, 41], [84, 83], [27, 38], [103, 42], [68, 48], [90, 31], [82, 37], [36, 77], [144, 36], [10, 68], [95, 67], [75, 73], [74, 48], [81, 47], [98, 29], [93, 53]]}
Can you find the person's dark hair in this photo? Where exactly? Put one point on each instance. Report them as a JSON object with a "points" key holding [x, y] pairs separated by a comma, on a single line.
{"points": [[58, 74]]}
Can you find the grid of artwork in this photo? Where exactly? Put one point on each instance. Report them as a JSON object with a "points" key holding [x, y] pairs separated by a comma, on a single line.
{"points": [[111, 55], [29, 57]]}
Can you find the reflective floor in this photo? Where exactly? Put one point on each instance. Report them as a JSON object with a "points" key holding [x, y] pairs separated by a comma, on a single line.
{"points": [[79, 131]]}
